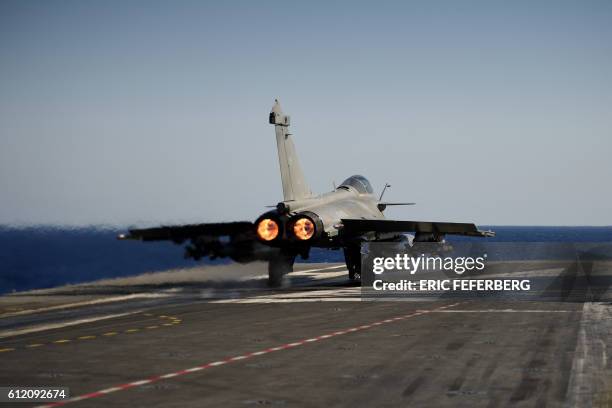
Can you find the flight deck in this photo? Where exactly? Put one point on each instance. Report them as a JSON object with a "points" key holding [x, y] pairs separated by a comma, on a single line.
{"points": [[217, 336]]}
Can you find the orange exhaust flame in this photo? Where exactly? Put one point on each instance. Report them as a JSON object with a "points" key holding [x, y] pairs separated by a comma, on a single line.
{"points": [[303, 229], [267, 229]]}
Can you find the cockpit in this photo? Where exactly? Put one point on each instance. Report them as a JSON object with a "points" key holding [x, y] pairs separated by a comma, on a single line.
{"points": [[359, 183]]}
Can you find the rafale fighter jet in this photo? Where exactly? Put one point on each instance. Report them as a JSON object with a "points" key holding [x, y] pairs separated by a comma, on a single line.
{"points": [[340, 219]]}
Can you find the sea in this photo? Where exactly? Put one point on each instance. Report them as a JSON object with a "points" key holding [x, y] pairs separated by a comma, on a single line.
{"points": [[37, 257]]}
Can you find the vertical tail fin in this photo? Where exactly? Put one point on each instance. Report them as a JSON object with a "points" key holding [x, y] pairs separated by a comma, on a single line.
{"points": [[294, 184]]}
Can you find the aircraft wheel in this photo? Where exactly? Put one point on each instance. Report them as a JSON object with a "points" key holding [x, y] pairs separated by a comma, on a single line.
{"points": [[352, 257], [278, 267], [355, 273]]}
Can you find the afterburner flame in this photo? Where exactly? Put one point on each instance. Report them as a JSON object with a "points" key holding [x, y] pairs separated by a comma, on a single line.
{"points": [[304, 229], [267, 229]]}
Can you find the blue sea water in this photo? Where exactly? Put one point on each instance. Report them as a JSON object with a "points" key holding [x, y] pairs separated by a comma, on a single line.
{"points": [[43, 257]]}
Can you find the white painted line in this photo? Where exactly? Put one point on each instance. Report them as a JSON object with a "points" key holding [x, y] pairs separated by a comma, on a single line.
{"points": [[589, 378], [321, 269], [51, 326], [150, 380], [296, 273], [86, 303], [137, 383], [168, 375], [302, 296], [507, 311], [305, 300], [109, 390]]}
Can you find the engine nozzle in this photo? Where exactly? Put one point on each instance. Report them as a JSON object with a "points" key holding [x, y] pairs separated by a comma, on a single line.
{"points": [[304, 228], [267, 229]]}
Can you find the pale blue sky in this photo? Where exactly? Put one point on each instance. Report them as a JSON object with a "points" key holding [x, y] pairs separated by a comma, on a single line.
{"points": [[129, 112]]}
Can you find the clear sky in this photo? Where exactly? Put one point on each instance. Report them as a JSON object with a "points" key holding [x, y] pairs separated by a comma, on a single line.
{"points": [[128, 112]]}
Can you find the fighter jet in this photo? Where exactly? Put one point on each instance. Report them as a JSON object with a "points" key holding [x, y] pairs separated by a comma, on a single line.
{"points": [[341, 219]]}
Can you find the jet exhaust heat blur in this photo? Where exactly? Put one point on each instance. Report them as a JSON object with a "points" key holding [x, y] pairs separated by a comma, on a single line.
{"points": [[344, 218]]}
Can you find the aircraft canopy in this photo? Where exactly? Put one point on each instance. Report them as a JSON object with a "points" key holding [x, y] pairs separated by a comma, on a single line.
{"points": [[359, 183]]}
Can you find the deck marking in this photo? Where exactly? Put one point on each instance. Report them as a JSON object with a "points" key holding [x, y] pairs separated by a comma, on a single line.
{"points": [[588, 384], [305, 271], [302, 296], [86, 303], [173, 319], [52, 326], [505, 311], [321, 269], [230, 360]]}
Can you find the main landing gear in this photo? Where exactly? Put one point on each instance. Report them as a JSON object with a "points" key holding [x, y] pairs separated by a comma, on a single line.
{"points": [[278, 267], [352, 256]]}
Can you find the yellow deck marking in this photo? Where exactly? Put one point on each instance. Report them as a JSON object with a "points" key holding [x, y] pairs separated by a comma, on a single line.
{"points": [[170, 321]]}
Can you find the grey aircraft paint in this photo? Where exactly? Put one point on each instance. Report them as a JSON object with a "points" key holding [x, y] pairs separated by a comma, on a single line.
{"points": [[340, 219]]}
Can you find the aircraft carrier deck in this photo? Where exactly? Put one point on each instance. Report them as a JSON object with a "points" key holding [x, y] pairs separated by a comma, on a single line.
{"points": [[216, 336]]}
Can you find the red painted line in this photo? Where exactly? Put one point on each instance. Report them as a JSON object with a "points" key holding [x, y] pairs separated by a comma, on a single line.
{"points": [[240, 357]]}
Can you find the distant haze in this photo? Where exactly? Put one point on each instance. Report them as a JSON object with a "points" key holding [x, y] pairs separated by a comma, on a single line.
{"points": [[115, 112]]}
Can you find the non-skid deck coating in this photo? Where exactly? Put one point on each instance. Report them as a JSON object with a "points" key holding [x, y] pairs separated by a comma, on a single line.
{"points": [[208, 341]]}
